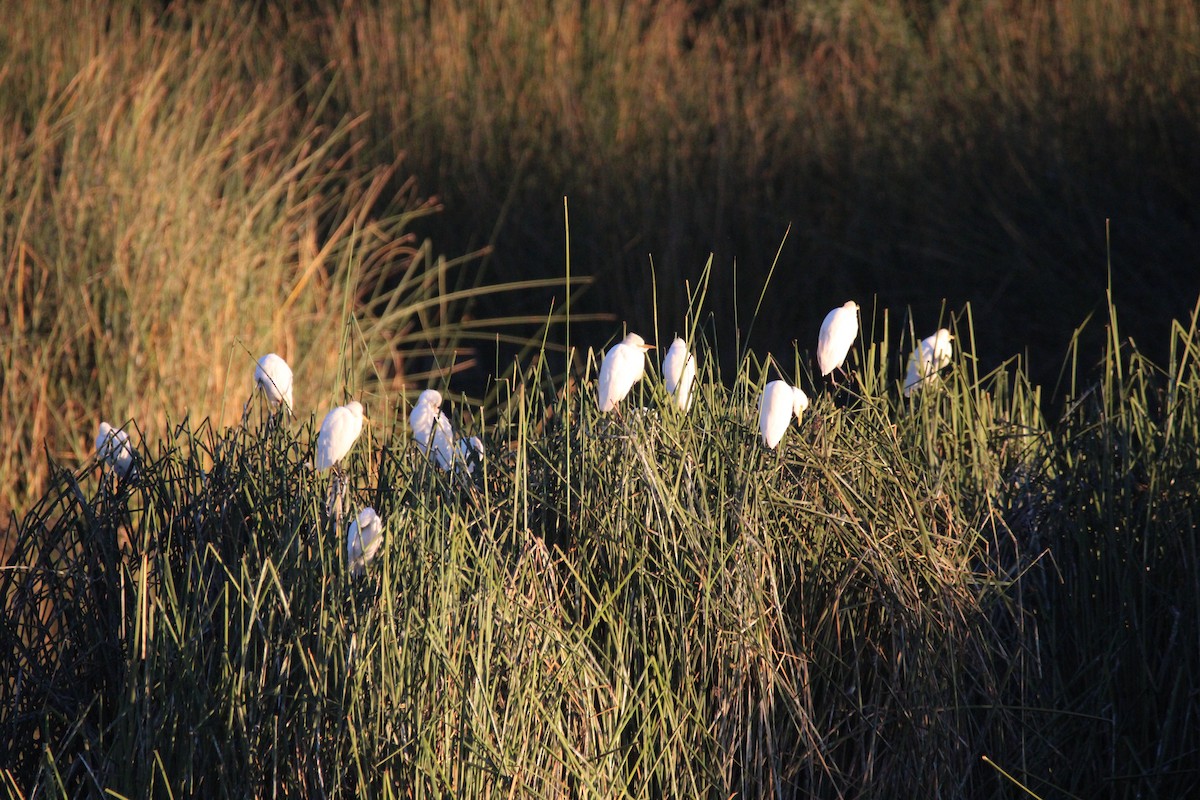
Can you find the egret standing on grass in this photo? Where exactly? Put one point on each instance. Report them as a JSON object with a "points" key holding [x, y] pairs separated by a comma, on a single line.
{"points": [[931, 355], [112, 448], [431, 428], [274, 376], [623, 366], [780, 401], [838, 332], [339, 430], [366, 536], [679, 372]]}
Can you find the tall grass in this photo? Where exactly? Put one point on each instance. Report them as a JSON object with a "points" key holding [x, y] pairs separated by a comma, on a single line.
{"points": [[905, 587], [919, 151], [170, 209], [936, 596]]}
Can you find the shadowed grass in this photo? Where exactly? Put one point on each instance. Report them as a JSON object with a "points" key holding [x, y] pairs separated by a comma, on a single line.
{"points": [[917, 150]]}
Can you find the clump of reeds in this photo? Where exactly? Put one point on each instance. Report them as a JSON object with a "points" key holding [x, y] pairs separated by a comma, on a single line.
{"points": [[644, 605]]}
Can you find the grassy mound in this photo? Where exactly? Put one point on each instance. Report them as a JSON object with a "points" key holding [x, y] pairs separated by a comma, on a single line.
{"points": [[928, 596]]}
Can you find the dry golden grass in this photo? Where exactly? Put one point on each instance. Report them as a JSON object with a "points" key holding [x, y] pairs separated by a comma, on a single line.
{"points": [[169, 213]]}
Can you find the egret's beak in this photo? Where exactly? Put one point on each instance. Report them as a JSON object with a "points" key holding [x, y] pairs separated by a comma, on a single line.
{"points": [[648, 347]]}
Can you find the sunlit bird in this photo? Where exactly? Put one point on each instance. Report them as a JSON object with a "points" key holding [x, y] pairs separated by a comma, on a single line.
{"points": [[112, 448], [274, 377], [930, 356], [339, 430], [838, 332], [780, 401], [679, 373], [623, 366], [431, 429], [364, 541]]}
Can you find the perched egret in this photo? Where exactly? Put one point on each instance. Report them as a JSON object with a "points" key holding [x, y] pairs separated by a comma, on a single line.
{"points": [[339, 430], [838, 332], [274, 376], [931, 355], [366, 536], [780, 401], [679, 372], [431, 427], [470, 451], [112, 447], [623, 366]]}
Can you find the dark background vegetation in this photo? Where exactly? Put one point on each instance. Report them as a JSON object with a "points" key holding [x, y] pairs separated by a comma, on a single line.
{"points": [[921, 152]]}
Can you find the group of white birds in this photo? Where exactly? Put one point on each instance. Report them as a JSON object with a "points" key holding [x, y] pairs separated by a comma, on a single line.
{"points": [[623, 366], [339, 431]]}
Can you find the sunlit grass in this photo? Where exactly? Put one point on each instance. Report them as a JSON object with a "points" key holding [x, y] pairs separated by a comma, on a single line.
{"points": [[170, 211]]}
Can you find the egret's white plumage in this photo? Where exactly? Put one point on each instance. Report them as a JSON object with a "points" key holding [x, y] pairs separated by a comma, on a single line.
{"points": [[679, 373], [112, 448], [838, 333], [780, 402], [274, 376], [931, 355], [431, 428], [339, 430], [623, 366], [364, 541]]}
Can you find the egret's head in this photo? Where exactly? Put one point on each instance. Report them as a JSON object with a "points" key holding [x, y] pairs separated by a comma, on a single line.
{"points": [[366, 518], [431, 397], [356, 408], [633, 340], [799, 401], [850, 305]]}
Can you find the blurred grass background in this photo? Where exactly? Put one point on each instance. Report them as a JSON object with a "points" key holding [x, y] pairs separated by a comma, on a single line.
{"points": [[920, 151]]}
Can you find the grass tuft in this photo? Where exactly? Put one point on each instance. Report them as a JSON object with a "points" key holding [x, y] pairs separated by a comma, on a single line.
{"points": [[946, 594]]}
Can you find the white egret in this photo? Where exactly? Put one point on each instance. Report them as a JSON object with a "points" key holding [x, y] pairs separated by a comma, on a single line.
{"points": [[780, 400], [679, 373], [930, 356], [364, 541], [339, 430], [623, 366], [838, 333], [431, 427], [470, 451], [112, 448], [274, 376]]}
